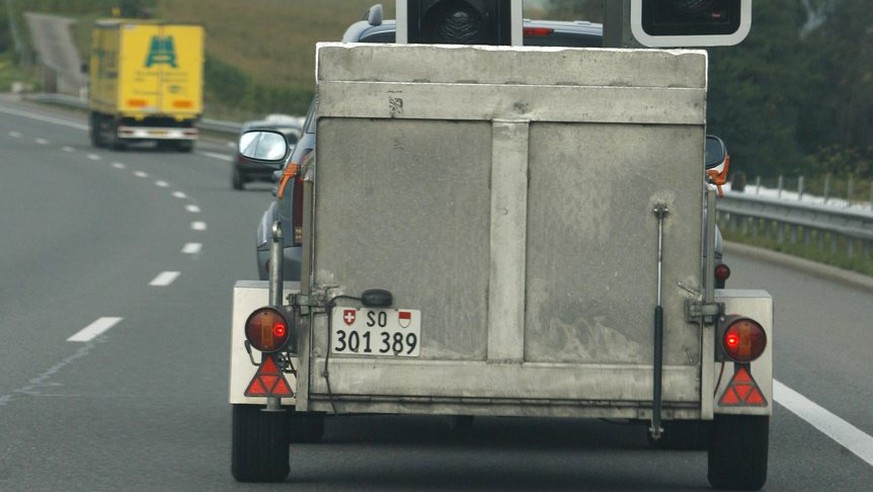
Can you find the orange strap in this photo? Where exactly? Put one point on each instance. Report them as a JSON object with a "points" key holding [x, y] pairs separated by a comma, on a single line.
{"points": [[287, 175]]}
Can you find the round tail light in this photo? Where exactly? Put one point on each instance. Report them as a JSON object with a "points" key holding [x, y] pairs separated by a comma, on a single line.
{"points": [[744, 340], [267, 329]]}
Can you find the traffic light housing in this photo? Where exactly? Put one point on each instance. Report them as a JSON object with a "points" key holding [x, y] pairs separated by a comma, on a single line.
{"points": [[491, 22], [681, 23]]}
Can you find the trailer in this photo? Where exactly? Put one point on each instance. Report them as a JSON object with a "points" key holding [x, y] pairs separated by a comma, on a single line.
{"points": [[505, 231]]}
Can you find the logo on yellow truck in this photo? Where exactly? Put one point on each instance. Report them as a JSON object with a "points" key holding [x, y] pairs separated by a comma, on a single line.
{"points": [[161, 51]]}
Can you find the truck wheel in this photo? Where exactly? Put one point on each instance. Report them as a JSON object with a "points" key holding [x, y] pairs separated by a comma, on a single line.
{"points": [[94, 130], [305, 427], [115, 143], [738, 452], [259, 448], [184, 145]]}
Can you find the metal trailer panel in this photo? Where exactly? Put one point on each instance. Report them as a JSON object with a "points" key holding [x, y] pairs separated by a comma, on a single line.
{"points": [[517, 215]]}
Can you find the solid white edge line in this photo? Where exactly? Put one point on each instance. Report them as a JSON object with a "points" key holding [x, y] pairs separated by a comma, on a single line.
{"points": [[95, 329], [164, 279], [844, 433]]}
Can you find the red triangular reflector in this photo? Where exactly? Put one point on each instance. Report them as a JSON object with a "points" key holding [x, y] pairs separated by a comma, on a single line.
{"points": [[756, 398], [742, 376], [256, 388], [268, 366], [268, 381], [729, 398], [282, 389], [742, 391]]}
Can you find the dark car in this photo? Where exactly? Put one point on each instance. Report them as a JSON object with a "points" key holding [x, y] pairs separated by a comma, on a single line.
{"points": [[245, 171], [373, 29]]}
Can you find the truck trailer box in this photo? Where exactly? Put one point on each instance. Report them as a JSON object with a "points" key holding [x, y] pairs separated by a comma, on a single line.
{"points": [[146, 76]]}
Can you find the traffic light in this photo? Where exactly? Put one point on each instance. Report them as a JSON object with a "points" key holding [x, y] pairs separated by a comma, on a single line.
{"points": [[491, 22], [680, 23]]}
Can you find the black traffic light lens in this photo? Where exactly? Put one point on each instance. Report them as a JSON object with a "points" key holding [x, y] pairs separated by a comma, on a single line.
{"points": [[459, 21], [690, 17]]}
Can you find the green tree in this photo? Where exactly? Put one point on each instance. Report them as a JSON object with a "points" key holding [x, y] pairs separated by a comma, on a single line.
{"points": [[755, 89], [836, 124]]}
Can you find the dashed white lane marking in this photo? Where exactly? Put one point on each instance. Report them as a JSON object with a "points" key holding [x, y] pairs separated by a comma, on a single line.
{"points": [[164, 279], [194, 209], [198, 226], [844, 433], [94, 330], [94, 157], [179, 194], [118, 165], [15, 134], [41, 141], [161, 184], [192, 248], [141, 174], [67, 148]]}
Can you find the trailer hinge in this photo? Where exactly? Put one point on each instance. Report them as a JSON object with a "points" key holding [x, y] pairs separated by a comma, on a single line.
{"points": [[304, 303], [707, 312]]}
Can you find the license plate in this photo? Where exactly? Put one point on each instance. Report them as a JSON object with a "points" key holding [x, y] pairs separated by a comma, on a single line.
{"points": [[376, 332]]}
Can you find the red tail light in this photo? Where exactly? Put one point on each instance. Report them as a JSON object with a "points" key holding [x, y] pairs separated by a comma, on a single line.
{"points": [[538, 31], [743, 339], [267, 329], [722, 272]]}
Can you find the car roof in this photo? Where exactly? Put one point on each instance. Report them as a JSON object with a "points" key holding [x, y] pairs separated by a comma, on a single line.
{"points": [[537, 32]]}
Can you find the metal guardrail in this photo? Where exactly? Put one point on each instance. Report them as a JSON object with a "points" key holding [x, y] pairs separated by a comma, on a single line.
{"points": [[798, 222], [229, 127]]}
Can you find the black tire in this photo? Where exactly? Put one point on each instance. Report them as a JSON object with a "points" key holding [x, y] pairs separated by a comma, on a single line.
{"points": [[305, 427], [94, 130], [683, 435], [184, 146], [237, 180], [259, 448], [115, 143], [738, 452]]}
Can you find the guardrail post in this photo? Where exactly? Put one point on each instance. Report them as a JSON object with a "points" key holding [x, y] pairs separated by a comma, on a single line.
{"points": [[827, 186], [800, 186], [757, 185], [850, 191], [779, 192]]}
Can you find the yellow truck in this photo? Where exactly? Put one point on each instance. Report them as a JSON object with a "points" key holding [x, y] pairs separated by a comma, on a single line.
{"points": [[146, 83]]}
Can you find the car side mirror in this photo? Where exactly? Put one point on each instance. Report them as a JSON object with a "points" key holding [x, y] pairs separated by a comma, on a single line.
{"points": [[717, 162], [266, 147]]}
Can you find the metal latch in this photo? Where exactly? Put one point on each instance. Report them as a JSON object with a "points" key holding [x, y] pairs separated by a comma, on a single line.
{"points": [[304, 303], [698, 310]]}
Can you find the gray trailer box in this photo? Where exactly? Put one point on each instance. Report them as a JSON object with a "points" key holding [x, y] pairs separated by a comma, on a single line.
{"points": [[505, 196]]}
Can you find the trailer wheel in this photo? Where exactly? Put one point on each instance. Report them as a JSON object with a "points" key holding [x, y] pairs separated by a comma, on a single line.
{"points": [[259, 448], [738, 452], [305, 427]]}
